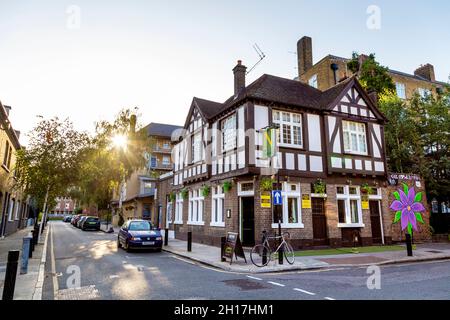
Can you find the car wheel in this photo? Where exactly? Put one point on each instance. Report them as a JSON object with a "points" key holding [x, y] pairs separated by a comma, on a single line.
{"points": [[127, 246], [159, 250], [119, 245]]}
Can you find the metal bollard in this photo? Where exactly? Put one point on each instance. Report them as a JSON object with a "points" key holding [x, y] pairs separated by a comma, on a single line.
{"points": [[11, 273], [223, 240], [280, 253], [166, 237], [409, 245], [26, 246], [189, 241]]}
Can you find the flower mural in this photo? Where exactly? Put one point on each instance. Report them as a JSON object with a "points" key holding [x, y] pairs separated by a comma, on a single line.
{"points": [[408, 208]]}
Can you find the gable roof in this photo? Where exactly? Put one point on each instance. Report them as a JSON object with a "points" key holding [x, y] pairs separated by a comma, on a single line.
{"points": [[161, 130], [279, 90]]}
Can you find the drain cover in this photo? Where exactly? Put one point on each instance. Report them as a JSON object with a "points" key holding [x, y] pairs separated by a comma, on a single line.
{"points": [[246, 285], [83, 293]]}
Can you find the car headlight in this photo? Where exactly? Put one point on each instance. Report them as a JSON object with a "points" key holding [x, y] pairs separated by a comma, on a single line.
{"points": [[158, 238], [135, 238]]}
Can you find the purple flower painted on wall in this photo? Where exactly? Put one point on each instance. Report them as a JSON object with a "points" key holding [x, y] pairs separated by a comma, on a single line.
{"points": [[408, 208]]}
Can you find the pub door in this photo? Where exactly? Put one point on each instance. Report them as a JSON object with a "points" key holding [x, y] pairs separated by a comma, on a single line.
{"points": [[375, 220], [248, 221], [320, 234]]}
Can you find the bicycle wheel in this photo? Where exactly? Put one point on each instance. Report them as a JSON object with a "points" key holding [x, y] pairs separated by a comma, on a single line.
{"points": [[260, 255], [289, 253]]}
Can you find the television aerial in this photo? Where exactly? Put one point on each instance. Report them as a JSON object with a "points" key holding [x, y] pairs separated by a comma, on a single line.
{"points": [[261, 57]]}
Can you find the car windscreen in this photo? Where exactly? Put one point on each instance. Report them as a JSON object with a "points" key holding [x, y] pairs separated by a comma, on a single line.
{"points": [[140, 226], [91, 219]]}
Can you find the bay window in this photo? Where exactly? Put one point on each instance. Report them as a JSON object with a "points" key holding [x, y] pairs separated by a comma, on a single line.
{"points": [[355, 140], [290, 133], [349, 206]]}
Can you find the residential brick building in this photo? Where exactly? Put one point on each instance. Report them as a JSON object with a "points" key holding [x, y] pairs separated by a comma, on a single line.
{"points": [[334, 136], [15, 208], [136, 198], [328, 71], [64, 205]]}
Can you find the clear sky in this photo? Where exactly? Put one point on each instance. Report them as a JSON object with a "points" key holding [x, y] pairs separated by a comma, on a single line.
{"points": [[157, 55]]}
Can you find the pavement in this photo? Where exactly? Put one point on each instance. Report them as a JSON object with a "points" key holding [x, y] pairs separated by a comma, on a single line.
{"points": [[210, 256], [29, 285], [87, 265]]}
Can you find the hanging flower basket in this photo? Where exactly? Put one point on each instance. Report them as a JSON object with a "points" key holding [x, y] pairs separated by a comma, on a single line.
{"points": [[172, 196], [226, 186], [267, 184], [320, 187], [366, 189], [185, 194], [205, 191]]}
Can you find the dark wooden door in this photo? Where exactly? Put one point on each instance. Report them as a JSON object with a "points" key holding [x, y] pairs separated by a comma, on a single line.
{"points": [[248, 221], [375, 221], [320, 233]]}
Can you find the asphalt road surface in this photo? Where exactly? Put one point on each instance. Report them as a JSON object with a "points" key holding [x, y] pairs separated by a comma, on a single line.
{"points": [[91, 261]]}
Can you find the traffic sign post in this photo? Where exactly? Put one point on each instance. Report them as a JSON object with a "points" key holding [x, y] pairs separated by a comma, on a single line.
{"points": [[277, 198]]}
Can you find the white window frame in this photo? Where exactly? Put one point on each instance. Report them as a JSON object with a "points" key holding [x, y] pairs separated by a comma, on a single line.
{"points": [[287, 193], [166, 162], [218, 196], [169, 205], [278, 119], [16, 214], [196, 208], [313, 81], [423, 92], [178, 219], [10, 209], [400, 89], [250, 193], [197, 143], [346, 129], [346, 196], [229, 133]]}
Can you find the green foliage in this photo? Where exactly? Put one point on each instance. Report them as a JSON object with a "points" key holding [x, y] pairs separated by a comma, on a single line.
{"points": [[172, 196], [267, 184], [205, 191], [319, 187], [372, 75], [226, 186], [365, 188], [185, 193]]}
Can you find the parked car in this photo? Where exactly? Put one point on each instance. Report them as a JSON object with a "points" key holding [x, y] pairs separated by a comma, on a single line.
{"points": [[67, 219], [75, 220], [80, 221], [90, 223], [139, 234]]}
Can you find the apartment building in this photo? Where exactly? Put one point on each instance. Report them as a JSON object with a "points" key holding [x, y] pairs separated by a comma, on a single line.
{"points": [[136, 197], [330, 166], [328, 71], [14, 206]]}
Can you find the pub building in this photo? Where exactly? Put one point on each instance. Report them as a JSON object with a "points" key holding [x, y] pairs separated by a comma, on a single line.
{"points": [[330, 165]]}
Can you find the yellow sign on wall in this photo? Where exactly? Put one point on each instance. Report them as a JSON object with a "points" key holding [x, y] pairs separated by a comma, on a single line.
{"points": [[266, 200], [306, 201], [365, 202]]}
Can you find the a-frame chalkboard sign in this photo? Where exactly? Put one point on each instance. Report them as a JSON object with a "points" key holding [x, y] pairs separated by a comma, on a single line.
{"points": [[233, 247]]}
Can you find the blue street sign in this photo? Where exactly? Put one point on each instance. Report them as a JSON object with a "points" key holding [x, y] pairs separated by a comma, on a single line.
{"points": [[277, 198]]}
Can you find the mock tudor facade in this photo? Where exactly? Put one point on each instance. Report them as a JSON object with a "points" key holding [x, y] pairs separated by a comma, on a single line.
{"points": [[335, 136]]}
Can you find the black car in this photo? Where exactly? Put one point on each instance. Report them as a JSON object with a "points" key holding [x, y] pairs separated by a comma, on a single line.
{"points": [[90, 223]]}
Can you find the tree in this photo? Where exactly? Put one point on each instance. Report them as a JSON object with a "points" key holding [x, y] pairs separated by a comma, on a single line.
{"points": [[372, 75], [51, 162], [114, 153]]}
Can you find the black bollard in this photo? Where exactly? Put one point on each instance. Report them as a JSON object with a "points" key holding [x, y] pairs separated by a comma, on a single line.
{"points": [[11, 273], [189, 241], [264, 257], [280, 253], [223, 240], [409, 245], [31, 244], [166, 237]]}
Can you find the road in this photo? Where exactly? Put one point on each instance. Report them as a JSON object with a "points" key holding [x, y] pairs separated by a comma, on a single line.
{"points": [[110, 273]]}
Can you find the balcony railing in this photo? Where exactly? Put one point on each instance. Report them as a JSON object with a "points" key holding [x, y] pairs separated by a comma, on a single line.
{"points": [[159, 149], [161, 166]]}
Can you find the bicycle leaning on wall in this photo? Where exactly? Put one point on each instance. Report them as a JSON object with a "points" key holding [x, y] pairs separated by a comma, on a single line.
{"points": [[262, 254]]}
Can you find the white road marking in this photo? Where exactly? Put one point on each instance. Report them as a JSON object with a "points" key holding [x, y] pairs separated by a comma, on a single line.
{"points": [[328, 298], [52, 257], [187, 261], [114, 276], [276, 284], [304, 291], [254, 278]]}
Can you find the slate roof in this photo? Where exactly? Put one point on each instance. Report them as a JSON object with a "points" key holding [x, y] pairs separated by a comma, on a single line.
{"points": [[161, 129]]}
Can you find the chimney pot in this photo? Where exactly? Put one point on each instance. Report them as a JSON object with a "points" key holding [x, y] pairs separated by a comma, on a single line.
{"points": [[426, 71]]}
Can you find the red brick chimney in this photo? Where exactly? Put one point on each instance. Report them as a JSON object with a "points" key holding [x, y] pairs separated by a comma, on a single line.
{"points": [[239, 77], [426, 71]]}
